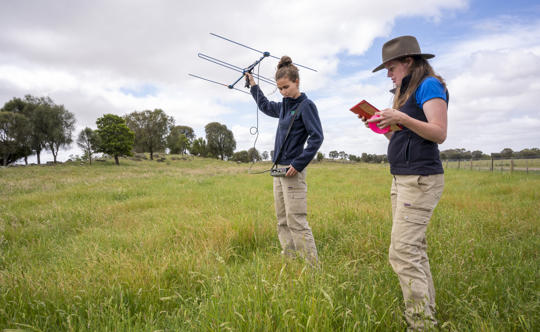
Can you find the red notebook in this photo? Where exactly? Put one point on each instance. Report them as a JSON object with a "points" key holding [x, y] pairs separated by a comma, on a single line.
{"points": [[367, 110]]}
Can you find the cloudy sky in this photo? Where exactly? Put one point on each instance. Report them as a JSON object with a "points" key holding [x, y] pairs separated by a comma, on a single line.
{"points": [[98, 57]]}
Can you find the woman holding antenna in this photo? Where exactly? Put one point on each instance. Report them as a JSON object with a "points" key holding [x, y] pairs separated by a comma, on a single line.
{"points": [[420, 107], [298, 122]]}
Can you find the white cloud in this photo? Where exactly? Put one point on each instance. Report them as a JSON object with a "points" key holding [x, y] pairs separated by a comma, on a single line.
{"points": [[493, 83]]}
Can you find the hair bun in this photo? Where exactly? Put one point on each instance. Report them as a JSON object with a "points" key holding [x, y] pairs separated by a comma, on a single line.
{"points": [[284, 61], [286, 68]]}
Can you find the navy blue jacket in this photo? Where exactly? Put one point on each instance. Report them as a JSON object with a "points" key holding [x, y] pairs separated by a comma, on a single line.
{"points": [[306, 126], [409, 153]]}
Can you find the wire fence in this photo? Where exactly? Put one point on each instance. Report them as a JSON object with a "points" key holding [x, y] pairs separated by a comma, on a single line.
{"points": [[527, 165]]}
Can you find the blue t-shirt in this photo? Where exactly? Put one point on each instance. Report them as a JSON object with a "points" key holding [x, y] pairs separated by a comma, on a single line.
{"points": [[429, 88]]}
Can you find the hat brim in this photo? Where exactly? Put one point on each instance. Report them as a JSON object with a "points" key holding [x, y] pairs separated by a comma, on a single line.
{"points": [[423, 55]]}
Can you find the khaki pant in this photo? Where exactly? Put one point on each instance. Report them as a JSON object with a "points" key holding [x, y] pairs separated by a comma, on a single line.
{"points": [[290, 197], [413, 199]]}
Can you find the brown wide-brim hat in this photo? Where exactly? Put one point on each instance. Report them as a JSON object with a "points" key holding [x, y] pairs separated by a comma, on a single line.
{"points": [[400, 47]]}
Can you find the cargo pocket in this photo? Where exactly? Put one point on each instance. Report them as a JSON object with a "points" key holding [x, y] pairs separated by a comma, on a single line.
{"points": [[410, 226], [297, 201]]}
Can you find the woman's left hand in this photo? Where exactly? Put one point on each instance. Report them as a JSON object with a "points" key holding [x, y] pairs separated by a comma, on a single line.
{"points": [[387, 117], [291, 171]]}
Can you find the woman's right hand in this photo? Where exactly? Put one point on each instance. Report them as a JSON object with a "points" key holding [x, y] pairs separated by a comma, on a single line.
{"points": [[251, 80]]}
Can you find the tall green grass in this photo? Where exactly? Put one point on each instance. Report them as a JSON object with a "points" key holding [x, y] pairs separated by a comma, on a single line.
{"points": [[192, 245]]}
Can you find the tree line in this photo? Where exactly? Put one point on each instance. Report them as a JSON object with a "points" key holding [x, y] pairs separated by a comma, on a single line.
{"points": [[506, 153], [31, 125], [450, 154]]}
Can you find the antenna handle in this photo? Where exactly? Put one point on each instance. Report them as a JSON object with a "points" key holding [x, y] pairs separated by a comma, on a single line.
{"points": [[247, 85], [248, 70]]}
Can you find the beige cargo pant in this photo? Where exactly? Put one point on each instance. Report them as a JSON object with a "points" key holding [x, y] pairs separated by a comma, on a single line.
{"points": [[413, 199], [295, 236]]}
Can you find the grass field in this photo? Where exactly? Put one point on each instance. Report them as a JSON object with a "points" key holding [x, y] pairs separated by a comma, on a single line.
{"points": [[192, 245]]}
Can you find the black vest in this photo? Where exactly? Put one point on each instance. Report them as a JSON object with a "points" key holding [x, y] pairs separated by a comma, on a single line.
{"points": [[408, 153]]}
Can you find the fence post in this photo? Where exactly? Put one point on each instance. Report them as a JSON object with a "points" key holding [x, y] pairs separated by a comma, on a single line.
{"points": [[492, 163], [471, 164], [458, 163], [511, 165], [527, 165]]}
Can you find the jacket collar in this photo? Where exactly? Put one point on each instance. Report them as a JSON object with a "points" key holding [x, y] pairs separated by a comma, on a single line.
{"points": [[290, 102]]}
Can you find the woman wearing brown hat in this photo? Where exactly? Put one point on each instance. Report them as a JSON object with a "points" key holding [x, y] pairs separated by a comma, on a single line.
{"points": [[419, 107]]}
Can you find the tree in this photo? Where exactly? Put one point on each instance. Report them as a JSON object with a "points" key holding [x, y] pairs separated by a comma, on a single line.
{"points": [[179, 145], [370, 158], [455, 154], [220, 140], [88, 142], [115, 138], [333, 154], [32, 107], [14, 129], [507, 153], [58, 124], [477, 155], [343, 155], [241, 156], [265, 155], [180, 139], [528, 153], [320, 156], [253, 155], [353, 157], [16, 106], [39, 129], [366, 158], [198, 147], [151, 129]]}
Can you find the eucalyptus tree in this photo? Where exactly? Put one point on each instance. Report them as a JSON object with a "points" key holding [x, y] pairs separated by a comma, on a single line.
{"points": [[151, 129], [27, 106], [254, 155], [58, 124], [14, 130], [51, 125], [199, 147], [220, 140], [88, 142], [180, 139]]}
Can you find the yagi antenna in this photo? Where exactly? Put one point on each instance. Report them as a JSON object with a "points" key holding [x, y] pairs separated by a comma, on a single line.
{"points": [[236, 68], [253, 49], [248, 69]]}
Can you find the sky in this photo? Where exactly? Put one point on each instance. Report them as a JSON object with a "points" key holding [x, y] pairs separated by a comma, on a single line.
{"points": [[104, 56]]}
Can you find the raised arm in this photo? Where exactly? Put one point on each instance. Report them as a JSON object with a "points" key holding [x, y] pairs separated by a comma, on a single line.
{"points": [[269, 108]]}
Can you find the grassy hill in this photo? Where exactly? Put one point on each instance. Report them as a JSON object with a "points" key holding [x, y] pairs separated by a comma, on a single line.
{"points": [[192, 245]]}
